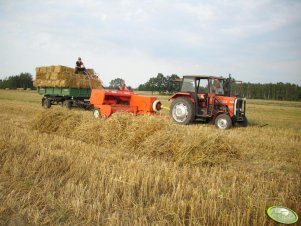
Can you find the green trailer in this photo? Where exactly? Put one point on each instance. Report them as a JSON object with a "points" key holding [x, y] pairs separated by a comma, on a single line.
{"points": [[67, 97], [72, 92]]}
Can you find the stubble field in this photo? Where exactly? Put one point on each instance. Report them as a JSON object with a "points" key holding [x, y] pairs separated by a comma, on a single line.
{"points": [[60, 167]]}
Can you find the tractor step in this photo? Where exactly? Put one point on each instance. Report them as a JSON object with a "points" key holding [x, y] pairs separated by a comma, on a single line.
{"points": [[203, 116]]}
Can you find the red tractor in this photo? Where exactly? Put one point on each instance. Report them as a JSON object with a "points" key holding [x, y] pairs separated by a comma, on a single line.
{"points": [[208, 99]]}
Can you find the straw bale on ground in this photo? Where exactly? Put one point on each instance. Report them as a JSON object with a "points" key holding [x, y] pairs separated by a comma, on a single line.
{"points": [[65, 77]]}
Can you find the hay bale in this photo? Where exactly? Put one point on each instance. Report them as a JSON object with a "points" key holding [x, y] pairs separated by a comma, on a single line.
{"points": [[91, 71], [42, 70], [60, 68], [62, 76], [53, 76], [63, 83], [41, 76], [47, 76], [48, 70]]}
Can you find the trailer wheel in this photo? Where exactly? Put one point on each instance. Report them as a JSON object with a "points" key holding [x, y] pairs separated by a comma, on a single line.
{"points": [[223, 121], [182, 111], [46, 103], [96, 113], [67, 104]]}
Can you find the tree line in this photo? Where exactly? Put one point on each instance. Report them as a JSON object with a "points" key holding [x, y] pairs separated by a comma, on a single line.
{"points": [[162, 84], [115, 84], [270, 91], [170, 84], [279, 91], [23, 80]]}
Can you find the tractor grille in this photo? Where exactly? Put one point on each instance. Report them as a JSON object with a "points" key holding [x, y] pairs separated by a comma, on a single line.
{"points": [[240, 107]]}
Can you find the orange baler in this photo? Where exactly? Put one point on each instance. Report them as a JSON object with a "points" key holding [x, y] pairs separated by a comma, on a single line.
{"points": [[106, 102]]}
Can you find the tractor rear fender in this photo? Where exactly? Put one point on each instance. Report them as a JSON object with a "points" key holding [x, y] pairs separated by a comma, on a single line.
{"points": [[180, 94], [219, 113]]}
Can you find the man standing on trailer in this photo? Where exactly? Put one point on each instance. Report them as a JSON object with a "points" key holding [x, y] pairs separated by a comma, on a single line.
{"points": [[80, 67]]}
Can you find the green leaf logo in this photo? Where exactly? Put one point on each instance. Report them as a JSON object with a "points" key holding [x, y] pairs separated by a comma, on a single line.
{"points": [[282, 215]]}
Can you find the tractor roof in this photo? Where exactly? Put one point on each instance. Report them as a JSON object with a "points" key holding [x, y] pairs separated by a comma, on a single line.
{"points": [[203, 77]]}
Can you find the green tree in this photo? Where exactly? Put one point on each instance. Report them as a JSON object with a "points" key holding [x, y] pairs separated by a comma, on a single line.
{"points": [[24, 80], [160, 83], [172, 83], [115, 83], [150, 85]]}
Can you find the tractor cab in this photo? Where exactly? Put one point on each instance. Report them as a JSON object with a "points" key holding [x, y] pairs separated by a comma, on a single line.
{"points": [[207, 99]]}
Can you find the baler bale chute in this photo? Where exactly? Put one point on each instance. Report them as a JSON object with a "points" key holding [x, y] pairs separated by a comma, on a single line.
{"points": [[106, 102]]}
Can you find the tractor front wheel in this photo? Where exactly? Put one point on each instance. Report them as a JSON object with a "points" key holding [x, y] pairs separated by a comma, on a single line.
{"points": [[182, 111], [223, 121]]}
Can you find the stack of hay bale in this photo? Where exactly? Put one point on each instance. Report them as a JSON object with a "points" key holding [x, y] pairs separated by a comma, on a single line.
{"points": [[65, 77]]}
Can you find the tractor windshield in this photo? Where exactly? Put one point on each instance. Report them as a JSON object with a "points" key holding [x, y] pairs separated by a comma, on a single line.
{"points": [[204, 85], [216, 86], [188, 85], [219, 87]]}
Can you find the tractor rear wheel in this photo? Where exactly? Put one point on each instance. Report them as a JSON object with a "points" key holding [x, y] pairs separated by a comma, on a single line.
{"points": [[182, 111], [223, 121]]}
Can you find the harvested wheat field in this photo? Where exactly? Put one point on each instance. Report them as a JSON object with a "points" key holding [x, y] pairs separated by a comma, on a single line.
{"points": [[60, 167]]}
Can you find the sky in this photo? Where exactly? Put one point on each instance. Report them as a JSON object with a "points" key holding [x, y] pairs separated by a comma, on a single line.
{"points": [[256, 41]]}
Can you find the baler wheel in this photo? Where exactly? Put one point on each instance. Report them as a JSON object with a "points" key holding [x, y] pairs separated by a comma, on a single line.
{"points": [[96, 113]]}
